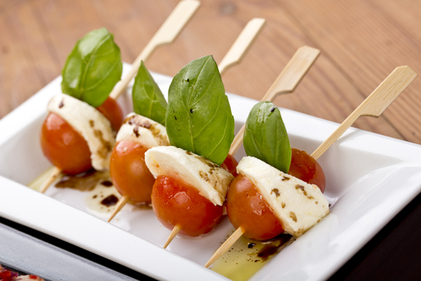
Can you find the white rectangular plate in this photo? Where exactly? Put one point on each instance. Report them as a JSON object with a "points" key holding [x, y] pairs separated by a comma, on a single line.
{"points": [[370, 178]]}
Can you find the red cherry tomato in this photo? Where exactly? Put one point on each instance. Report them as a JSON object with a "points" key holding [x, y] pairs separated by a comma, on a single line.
{"points": [[63, 146], [129, 173], [306, 168], [177, 203], [247, 208], [230, 164], [113, 112]]}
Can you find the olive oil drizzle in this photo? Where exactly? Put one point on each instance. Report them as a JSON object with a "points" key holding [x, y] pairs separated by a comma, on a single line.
{"points": [[246, 257]]}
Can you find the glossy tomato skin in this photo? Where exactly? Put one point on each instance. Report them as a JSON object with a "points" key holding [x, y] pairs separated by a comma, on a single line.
{"points": [[177, 203], [306, 168], [247, 208], [113, 112], [129, 173], [230, 164], [63, 146]]}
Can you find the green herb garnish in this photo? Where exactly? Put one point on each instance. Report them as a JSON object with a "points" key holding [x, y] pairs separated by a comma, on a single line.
{"points": [[148, 99], [199, 117], [265, 136], [93, 68]]}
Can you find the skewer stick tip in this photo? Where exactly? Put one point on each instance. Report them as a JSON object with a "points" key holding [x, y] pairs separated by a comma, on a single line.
{"points": [[173, 233], [55, 174], [225, 247], [121, 203]]}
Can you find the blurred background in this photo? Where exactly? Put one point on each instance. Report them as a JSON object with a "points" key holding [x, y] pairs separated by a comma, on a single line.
{"points": [[361, 42]]}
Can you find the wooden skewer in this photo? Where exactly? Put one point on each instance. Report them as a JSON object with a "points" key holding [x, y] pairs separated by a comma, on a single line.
{"points": [[225, 247], [233, 57], [165, 35], [55, 174], [121, 203], [242, 44], [173, 234], [373, 105], [286, 82]]}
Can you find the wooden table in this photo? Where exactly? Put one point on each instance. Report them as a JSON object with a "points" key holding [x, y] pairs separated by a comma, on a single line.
{"points": [[361, 42]]}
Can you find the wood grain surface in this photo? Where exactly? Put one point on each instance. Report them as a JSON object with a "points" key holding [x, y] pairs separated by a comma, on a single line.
{"points": [[361, 42]]}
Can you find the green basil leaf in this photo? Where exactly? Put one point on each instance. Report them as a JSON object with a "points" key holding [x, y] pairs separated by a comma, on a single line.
{"points": [[266, 138], [199, 117], [93, 68], [148, 99]]}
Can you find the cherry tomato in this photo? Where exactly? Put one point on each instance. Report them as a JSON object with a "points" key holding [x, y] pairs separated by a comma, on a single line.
{"points": [[230, 164], [113, 112], [178, 203], [129, 173], [63, 146], [306, 168], [247, 208]]}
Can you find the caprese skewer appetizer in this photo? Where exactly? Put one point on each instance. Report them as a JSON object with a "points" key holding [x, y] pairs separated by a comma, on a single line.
{"points": [[79, 71], [263, 201], [144, 128], [141, 130], [190, 185], [287, 203], [79, 131]]}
